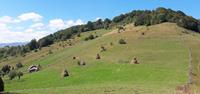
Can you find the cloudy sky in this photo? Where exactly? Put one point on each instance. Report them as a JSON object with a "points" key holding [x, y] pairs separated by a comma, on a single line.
{"points": [[23, 20]]}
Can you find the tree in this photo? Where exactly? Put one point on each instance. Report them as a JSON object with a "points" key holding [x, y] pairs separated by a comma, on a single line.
{"points": [[98, 24], [107, 23], [1, 85], [33, 44], [46, 41], [118, 18], [90, 26]]}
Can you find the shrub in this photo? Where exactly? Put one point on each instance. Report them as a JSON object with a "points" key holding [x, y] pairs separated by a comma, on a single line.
{"points": [[1, 85], [19, 65], [91, 37], [12, 74], [35, 50], [19, 74], [79, 35], [86, 39], [111, 44], [122, 41], [2, 73]]}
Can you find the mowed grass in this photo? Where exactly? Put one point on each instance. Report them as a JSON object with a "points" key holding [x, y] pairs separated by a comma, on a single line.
{"points": [[163, 65]]}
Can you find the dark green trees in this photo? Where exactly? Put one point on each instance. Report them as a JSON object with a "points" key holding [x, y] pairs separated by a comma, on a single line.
{"points": [[33, 44]]}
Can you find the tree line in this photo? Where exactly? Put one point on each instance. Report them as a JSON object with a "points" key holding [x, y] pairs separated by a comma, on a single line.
{"points": [[136, 17]]}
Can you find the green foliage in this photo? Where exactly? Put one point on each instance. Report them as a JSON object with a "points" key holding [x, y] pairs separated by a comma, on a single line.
{"points": [[160, 15], [2, 73], [13, 51], [12, 74], [33, 44], [107, 23], [119, 18], [122, 41], [19, 74], [90, 37], [19, 65], [48, 40], [79, 35]]}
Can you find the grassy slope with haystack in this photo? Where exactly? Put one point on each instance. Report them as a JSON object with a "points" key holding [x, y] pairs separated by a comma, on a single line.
{"points": [[162, 51]]}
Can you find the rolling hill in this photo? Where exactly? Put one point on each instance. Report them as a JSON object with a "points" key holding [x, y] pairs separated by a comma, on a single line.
{"points": [[163, 52]]}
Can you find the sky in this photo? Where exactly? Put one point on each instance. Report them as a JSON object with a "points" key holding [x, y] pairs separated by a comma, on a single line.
{"points": [[23, 20]]}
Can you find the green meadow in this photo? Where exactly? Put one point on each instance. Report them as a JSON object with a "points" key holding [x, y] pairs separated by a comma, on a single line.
{"points": [[162, 53]]}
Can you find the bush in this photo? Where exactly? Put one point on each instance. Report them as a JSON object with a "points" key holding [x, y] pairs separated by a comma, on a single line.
{"points": [[86, 39], [35, 50], [1, 85], [111, 44], [79, 35], [91, 37], [19, 74], [2, 73], [122, 41], [19, 65], [12, 74]]}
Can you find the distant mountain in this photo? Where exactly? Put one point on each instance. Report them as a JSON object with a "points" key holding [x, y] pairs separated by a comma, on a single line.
{"points": [[13, 44]]}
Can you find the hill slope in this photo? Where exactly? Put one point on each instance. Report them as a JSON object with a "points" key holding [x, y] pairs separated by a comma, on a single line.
{"points": [[162, 51]]}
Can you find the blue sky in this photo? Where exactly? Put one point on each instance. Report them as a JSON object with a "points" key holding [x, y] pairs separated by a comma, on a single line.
{"points": [[23, 20]]}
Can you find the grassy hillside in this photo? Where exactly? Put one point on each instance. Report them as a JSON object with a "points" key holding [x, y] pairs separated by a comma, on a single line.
{"points": [[162, 52]]}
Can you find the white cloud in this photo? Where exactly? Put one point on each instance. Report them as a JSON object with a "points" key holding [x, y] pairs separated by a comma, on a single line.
{"points": [[7, 36], [30, 16], [56, 24], [6, 19], [97, 18], [70, 23], [38, 26], [17, 29]]}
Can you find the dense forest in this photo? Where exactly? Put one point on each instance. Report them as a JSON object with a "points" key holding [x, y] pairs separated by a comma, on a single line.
{"points": [[136, 17]]}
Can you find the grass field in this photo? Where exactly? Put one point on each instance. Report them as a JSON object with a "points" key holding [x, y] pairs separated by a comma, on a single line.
{"points": [[162, 54]]}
